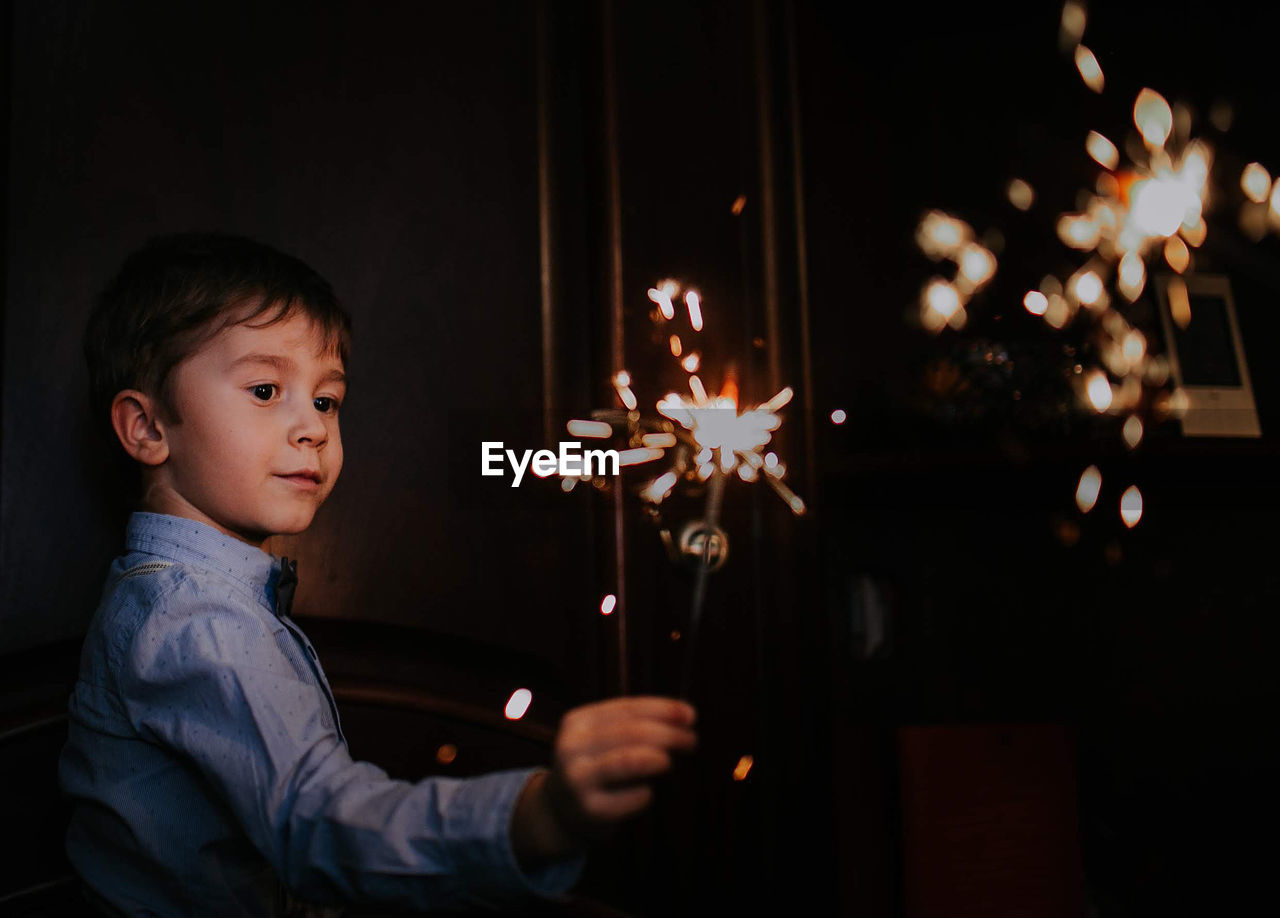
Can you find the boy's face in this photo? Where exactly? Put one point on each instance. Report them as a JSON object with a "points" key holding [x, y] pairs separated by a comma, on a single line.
{"points": [[257, 450]]}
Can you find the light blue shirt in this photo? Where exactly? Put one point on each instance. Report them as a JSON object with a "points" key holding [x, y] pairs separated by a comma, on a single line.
{"points": [[206, 763]]}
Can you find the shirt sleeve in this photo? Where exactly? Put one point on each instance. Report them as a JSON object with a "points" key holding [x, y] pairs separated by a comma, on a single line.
{"points": [[209, 682]]}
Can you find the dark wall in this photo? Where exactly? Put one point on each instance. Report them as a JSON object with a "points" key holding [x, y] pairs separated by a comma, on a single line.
{"points": [[345, 136]]}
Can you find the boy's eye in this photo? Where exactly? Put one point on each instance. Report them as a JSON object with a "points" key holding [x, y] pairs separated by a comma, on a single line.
{"points": [[326, 405], [264, 391]]}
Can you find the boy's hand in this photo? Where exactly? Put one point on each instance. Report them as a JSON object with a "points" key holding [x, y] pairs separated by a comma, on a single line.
{"points": [[604, 755]]}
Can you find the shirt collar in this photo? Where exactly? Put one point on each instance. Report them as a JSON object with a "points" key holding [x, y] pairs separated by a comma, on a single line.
{"points": [[199, 544]]}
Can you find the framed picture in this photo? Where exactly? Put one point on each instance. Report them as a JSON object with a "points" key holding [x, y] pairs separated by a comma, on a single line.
{"points": [[1206, 355]]}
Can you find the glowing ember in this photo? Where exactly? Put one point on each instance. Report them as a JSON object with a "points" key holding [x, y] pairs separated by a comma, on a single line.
{"points": [[976, 265], [1255, 181], [838, 416], [446, 753], [1090, 70], [1195, 165], [694, 304], [637, 456], [1102, 150], [1179, 302], [1131, 506], [941, 236], [1078, 231], [1153, 118], [743, 768], [590, 429], [518, 704], [1177, 254], [659, 440], [1087, 288], [608, 604], [1035, 302], [1133, 431], [1253, 221], [1088, 489], [660, 487], [1134, 346], [779, 401], [1059, 311], [1099, 391], [941, 304], [1194, 233], [1132, 276], [662, 297], [1021, 195], [622, 383], [1073, 21]]}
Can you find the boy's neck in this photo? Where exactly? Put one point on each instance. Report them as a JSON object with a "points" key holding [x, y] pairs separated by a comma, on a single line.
{"points": [[156, 498]]}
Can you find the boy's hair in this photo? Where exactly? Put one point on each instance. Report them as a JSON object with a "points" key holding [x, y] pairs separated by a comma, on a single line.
{"points": [[177, 292]]}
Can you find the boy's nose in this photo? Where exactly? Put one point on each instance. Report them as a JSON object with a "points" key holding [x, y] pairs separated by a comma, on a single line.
{"points": [[309, 428]]}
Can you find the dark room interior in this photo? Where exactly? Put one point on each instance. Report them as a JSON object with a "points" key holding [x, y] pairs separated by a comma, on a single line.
{"points": [[951, 686]]}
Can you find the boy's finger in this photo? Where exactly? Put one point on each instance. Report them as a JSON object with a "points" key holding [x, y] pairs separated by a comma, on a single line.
{"points": [[608, 806], [635, 732], [654, 707], [628, 765]]}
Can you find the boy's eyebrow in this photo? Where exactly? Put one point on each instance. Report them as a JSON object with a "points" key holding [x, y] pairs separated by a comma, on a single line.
{"points": [[285, 365]]}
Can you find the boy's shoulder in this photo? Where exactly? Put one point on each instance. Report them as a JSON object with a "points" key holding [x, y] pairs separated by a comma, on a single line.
{"points": [[158, 599]]}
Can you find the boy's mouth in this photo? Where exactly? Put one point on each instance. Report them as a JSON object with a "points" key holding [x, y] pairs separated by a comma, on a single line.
{"points": [[305, 479]]}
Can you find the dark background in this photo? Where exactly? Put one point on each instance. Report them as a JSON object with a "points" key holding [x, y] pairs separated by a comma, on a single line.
{"points": [[1064, 717]]}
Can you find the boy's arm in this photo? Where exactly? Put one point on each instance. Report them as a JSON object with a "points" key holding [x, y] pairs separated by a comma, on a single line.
{"points": [[210, 683]]}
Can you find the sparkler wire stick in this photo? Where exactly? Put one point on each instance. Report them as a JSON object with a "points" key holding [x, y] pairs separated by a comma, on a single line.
{"points": [[711, 534]]}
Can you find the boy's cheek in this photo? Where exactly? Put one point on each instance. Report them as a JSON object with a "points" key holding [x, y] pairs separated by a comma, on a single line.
{"points": [[335, 458], [332, 480]]}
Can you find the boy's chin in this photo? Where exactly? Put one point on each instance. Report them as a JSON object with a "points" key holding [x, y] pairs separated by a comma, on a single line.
{"points": [[292, 524], [276, 524]]}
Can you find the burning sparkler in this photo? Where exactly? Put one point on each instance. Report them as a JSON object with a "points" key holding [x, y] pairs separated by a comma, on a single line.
{"points": [[705, 438], [1148, 208], [702, 434]]}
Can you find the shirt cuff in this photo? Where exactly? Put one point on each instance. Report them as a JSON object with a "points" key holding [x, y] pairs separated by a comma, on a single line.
{"points": [[478, 821]]}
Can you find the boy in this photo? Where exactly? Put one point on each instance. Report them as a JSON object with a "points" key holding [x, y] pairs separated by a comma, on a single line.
{"points": [[205, 760]]}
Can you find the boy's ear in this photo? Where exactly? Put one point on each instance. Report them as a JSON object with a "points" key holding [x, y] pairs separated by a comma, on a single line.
{"points": [[137, 424]]}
